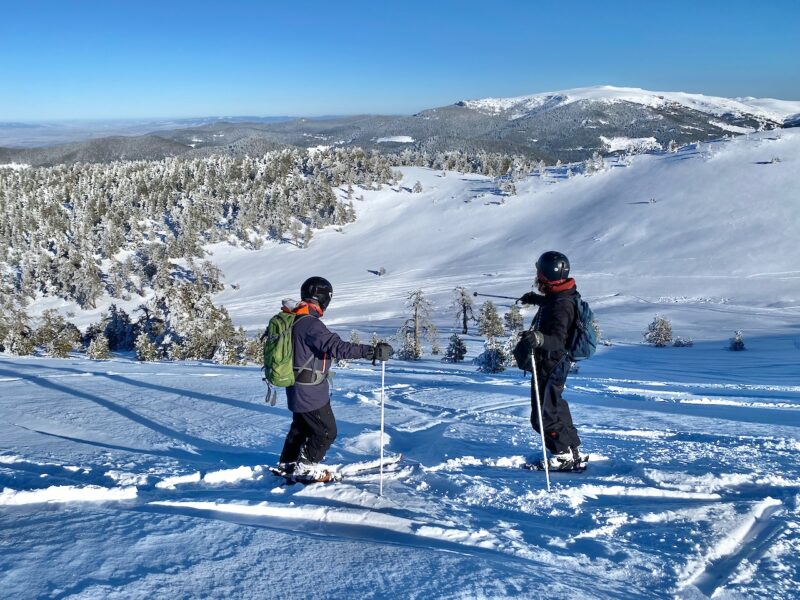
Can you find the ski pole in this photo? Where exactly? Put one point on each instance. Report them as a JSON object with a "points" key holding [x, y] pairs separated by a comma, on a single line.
{"points": [[541, 422], [495, 296], [383, 380]]}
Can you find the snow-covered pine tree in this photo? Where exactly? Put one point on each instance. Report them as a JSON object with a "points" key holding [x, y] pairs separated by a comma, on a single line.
{"points": [[17, 335], [492, 359], [417, 189], [145, 348], [659, 332], [513, 320], [98, 348], [489, 324], [737, 341], [56, 335]]}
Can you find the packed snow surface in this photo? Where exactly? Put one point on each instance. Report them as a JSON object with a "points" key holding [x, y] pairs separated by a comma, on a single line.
{"points": [[132, 480]]}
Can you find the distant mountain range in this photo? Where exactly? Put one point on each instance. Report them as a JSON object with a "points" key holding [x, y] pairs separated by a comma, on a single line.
{"points": [[569, 125]]}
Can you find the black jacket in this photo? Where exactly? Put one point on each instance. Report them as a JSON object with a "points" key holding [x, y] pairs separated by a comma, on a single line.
{"points": [[556, 321]]}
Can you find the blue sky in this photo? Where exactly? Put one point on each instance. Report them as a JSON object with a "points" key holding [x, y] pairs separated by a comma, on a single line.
{"points": [[89, 59]]}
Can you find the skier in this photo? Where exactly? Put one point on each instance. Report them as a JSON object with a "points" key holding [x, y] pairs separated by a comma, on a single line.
{"points": [[313, 428], [548, 338]]}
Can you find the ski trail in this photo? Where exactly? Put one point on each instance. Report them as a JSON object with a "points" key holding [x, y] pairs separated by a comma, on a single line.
{"points": [[380, 527], [723, 558]]}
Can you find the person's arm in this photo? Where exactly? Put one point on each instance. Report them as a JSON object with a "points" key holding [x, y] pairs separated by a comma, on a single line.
{"points": [[553, 332], [531, 298], [325, 341]]}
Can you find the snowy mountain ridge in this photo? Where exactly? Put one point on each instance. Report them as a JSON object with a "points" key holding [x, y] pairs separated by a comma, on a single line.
{"points": [[520, 106]]}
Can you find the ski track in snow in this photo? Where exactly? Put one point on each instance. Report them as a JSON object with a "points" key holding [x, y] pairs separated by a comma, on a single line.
{"points": [[662, 507]]}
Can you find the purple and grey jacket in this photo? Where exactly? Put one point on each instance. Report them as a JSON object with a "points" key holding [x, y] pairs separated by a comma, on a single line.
{"points": [[314, 348]]}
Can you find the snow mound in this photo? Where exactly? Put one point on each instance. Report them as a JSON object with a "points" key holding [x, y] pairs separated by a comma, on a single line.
{"points": [[65, 493]]}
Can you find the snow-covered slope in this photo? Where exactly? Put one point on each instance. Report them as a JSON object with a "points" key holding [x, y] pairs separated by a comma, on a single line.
{"points": [[714, 227], [768, 108], [137, 480]]}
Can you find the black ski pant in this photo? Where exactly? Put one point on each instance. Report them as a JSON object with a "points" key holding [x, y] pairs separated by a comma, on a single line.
{"points": [[310, 436], [559, 433]]}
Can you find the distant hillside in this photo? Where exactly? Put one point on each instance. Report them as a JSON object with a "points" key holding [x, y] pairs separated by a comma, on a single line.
{"points": [[569, 126]]}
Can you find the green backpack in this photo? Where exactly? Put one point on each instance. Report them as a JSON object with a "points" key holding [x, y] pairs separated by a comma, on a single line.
{"points": [[278, 350]]}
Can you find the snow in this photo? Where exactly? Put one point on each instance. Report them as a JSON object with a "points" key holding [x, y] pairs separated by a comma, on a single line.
{"points": [[397, 139], [763, 107], [126, 479], [616, 144], [14, 166], [731, 128]]}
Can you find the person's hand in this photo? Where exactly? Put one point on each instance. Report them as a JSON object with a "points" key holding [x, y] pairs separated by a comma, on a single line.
{"points": [[530, 298], [382, 351], [534, 339]]}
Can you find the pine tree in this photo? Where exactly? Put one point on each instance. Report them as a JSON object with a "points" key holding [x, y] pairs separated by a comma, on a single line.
{"points": [[456, 350], [419, 324], [492, 359], [464, 306], [98, 348], [659, 332], [56, 335], [513, 320], [737, 342], [489, 324], [354, 337], [417, 189], [145, 348]]}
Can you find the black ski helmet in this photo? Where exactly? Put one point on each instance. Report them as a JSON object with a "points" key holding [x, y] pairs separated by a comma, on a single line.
{"points": [[552, 266], [318, 289]]}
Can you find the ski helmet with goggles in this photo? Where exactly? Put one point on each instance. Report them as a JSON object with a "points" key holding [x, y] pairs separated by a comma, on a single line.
{"points": [[317, 289], [552, 266]]}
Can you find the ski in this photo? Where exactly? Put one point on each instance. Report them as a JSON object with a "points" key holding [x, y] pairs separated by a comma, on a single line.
{"points": [[538, 465], [369, 465], [337, 474], [332, 476]]}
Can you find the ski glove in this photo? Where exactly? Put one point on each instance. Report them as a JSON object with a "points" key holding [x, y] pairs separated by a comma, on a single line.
{"points": [[531, 298], [382, 352], [533, 339]]}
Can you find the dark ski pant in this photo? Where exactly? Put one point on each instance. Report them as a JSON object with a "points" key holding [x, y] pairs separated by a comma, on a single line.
{"points": [[559, 433], [310, 436]]}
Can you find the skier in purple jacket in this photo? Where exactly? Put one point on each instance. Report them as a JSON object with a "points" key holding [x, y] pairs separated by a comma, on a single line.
{"points": [[313, 428]]}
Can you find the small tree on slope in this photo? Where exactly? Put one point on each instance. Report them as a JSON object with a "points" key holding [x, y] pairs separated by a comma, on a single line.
{"points": [[456, 351], [659, 332], [464, 306], [419, 324]]}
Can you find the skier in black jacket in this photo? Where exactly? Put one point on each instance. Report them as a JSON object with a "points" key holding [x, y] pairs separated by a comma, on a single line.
{"points": [[313, 427], [552, 329]]}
